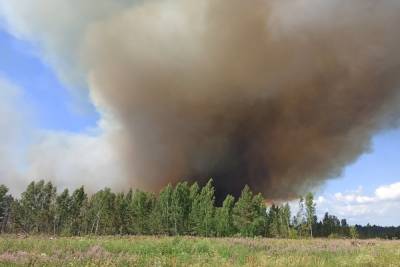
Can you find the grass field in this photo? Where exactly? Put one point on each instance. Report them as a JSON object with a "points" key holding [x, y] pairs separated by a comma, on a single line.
{"points": [[187, 251]]}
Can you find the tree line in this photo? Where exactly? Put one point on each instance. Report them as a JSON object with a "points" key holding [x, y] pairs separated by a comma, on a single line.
{"points": [[183, 209]]}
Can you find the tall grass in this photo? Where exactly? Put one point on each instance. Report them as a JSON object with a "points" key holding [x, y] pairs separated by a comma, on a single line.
{"points": [[189, 251]]}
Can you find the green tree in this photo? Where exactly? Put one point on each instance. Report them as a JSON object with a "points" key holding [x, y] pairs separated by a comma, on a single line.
{"points": [[47, 210], [330, 225], [3, 194], [344, 228], [101, 212], [121, 214], [180, 208], [279, 221], [193, 195], [36, 208], [285, 215], [274, 222], [5, 208], [243, 212], [164, 210], [224, 217], [260, 215], [353, 232], [78, 212], [301, 219], [26, 209], [62, 213], [202, 212], [310, 212], [249, 213], [140, 209]]}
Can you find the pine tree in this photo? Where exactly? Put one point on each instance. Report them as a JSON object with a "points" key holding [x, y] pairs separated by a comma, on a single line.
{"points": [[330, 225], [3, 194], [242, 212], [180, 208], [310, 212], [78, 212], [28, 209], [353, 232], [326, 225], [202, 212], [164, 210], [48, 207], [285, 226], [274, 221], [344, 228], [259, 221], [301, 221], [224, 218], [101, 212], [250, 214], [194, 192], [5, 208], [62, 213], [140, 208], [121, 214]]}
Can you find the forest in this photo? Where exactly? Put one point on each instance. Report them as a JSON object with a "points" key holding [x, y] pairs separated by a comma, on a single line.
{"points": [[183, 209]]}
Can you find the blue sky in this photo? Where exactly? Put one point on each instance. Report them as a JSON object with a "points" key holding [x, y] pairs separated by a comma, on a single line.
{"points": [[380, 166], [49, 98], [54, 107]]}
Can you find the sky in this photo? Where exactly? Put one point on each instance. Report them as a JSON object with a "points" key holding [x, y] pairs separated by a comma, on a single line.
{"points": [[368, 191], [53, 103]]}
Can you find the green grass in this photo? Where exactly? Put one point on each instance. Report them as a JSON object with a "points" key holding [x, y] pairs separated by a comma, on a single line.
{"points": [[188, 251]]}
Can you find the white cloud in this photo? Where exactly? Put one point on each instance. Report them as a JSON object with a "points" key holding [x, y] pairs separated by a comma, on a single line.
{"points": [[67, 159], [353, 198], [320, 200], [14, 124], [389, 192], [379, 208]]}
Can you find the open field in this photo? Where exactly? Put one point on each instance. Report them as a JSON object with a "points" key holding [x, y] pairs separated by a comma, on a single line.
{"points": [[187, 251]]}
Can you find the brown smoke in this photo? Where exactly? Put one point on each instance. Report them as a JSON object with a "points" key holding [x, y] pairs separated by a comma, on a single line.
{"points": [[276, 94]]}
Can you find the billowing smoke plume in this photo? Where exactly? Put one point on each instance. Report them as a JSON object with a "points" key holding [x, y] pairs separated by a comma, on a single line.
{"points": [[276, 94]]}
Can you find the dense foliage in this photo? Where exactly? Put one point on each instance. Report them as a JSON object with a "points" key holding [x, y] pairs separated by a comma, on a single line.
{"points": [[177, 210]]}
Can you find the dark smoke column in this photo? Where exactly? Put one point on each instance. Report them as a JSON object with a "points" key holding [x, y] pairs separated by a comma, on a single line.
{"points": [[279, 95]]}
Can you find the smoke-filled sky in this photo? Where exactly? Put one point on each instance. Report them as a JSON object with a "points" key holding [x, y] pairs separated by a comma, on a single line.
{"points": [[282, 95]]}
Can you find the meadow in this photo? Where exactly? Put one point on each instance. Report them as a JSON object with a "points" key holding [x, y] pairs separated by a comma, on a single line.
{"points": [[190, 251]]}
